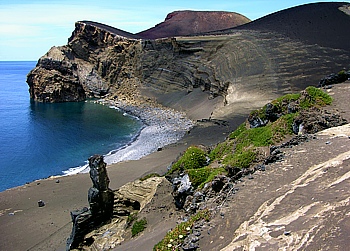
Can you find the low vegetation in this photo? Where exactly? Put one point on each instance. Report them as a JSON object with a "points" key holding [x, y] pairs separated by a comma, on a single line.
{"points": [[175, 238], [193, 158], [131, 218], [138, 227], [241, 150], [243, 146], [316, 97]]}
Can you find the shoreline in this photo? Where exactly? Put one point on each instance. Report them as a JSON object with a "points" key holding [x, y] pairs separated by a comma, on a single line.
{"points": [[162, 126], [155, 126], [19, 211]]}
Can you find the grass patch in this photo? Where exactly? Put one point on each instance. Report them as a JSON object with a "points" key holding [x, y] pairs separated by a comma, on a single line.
{"points": [[138, 227], [241, 159], [240, 150], [260, 136], [193, 158], [242, 128], [221, 150], [282, 127], [201, 176], [316, 97], [175, 238], [288, 98]]}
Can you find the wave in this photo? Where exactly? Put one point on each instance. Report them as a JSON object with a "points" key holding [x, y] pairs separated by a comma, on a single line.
{"points": [[162, 127]]}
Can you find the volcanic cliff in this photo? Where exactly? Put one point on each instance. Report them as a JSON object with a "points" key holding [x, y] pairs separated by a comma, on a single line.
{"points": [[300, 198], [252, 61]]}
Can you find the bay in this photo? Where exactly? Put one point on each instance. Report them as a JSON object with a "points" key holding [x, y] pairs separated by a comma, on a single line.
{"points": [[38, 140]]}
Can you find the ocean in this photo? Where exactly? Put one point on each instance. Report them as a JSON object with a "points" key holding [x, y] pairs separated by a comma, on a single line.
{"points": [[39, 140]]}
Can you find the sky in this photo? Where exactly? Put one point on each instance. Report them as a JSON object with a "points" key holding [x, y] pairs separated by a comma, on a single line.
{"points": [[28, 29]]}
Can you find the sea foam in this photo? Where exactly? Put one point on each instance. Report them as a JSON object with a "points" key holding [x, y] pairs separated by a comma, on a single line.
{"points": [[162, 127]]}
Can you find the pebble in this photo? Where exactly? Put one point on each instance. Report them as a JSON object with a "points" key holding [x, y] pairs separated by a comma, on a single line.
{"points": [[287, 233], [41, 203]]}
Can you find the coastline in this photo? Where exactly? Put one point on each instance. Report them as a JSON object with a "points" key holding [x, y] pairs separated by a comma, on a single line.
{"points": [[161, 127], [19, 211]]}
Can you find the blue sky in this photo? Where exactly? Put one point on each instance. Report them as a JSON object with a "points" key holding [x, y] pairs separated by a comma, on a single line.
{"points": [[29, 28]]}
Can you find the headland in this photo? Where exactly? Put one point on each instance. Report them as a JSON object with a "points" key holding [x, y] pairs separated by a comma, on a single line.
{"points": [[211, 77]]}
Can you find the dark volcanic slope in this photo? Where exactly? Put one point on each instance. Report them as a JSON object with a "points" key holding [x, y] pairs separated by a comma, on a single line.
{"points": [[318, 23], [182, 23]]}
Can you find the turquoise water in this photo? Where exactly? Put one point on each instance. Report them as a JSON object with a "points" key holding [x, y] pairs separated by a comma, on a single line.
{"points": [[39, 140]]}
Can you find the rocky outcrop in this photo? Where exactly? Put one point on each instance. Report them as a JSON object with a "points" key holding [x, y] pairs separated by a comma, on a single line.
{"points": [[55, 78], [89, 66], [334, 78], [100, 199], [129, 202], [107, 221], [316, 120]]}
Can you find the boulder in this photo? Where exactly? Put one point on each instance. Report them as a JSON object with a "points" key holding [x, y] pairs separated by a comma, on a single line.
{"points": [[315, 120], [334, 78], [182, 188]]}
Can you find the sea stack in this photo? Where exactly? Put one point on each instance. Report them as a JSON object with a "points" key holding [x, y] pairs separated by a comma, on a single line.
{"points": [[100, 199]]}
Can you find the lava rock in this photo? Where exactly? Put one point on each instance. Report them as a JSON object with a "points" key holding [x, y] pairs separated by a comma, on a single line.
{"points": [[101, 201], [182, 187], [41, 203], [190, 243]]}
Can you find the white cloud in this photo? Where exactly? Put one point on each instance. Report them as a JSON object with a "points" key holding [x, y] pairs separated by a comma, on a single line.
{"points": [[18, 30], [33, 28], [65, 15]]}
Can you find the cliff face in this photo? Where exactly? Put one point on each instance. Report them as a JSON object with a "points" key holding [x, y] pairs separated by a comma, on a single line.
{"points": [[90, 65], [245, 67]]}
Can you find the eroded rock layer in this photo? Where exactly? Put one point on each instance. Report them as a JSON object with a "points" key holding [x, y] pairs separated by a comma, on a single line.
{"points": [[242, 65]]}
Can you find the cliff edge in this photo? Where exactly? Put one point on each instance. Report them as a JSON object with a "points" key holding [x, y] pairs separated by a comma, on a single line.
{"points": [[234, 67]]}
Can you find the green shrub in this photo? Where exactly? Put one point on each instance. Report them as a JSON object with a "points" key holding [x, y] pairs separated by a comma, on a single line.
{"points": [[241, 159], [287, 98], [200, 176], [239, 150], [221, 150], [317, 98], [282, 127], [238, 131], [260, 136], [193, 158], [175, 238], [138, 227]]}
